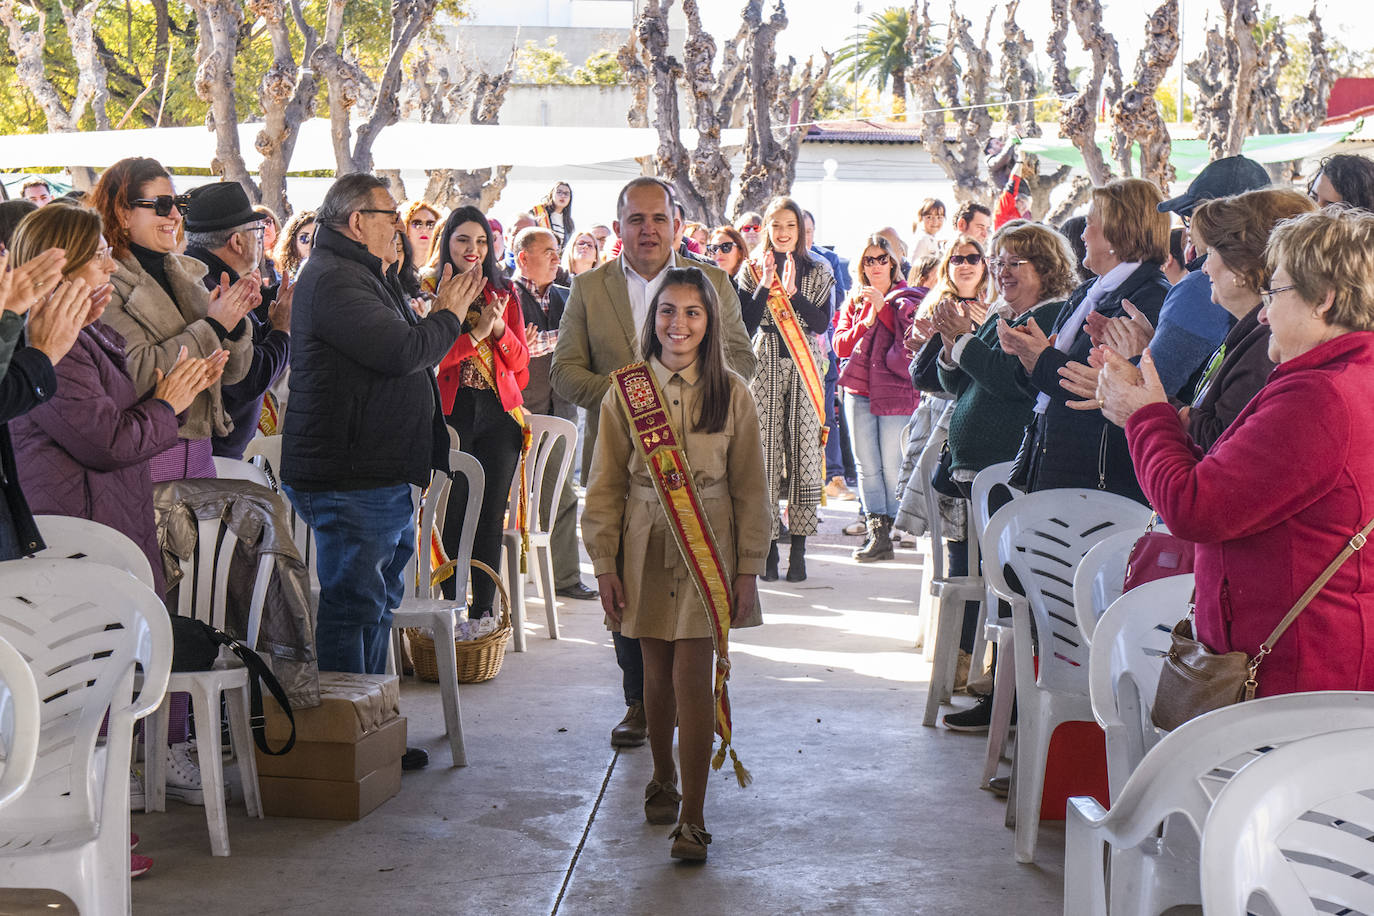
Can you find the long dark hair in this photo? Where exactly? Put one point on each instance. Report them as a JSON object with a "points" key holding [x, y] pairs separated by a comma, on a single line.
{"points": [[799, 252], [442, 256], [714, 408], [547, 204], [406, 272]]}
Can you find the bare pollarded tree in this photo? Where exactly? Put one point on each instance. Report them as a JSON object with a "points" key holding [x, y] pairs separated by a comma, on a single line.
{"points": [[1078, 118], [1019, 79], [288, 93], [956, 78], [773, 139], [1227, 74], [702, 176], [1136, 115], [1308, 109], [92, 91], [436, 97]]}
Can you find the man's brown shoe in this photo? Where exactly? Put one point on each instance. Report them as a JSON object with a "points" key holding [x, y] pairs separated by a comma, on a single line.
{"points": [[632, 730]]}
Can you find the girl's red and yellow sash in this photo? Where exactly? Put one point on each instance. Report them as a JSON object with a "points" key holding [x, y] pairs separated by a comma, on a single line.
{"points": [[662, 449], [794, 336]]}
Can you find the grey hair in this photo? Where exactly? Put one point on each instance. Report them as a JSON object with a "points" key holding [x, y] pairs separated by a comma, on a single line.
{"points": [[645, 181], [215, 239], [525, 238], [347, 196]]}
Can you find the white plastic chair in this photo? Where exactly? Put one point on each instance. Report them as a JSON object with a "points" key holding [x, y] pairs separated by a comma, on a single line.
{"points": [[1154, 825], [546, 431], [423, 609], [1042, 537], [233, 469], [203, 594], [1294, 828], [1099, 579], [82, 539], [83, 628], [990, 492], [20, 720], [1124, 662], [265, 452]]}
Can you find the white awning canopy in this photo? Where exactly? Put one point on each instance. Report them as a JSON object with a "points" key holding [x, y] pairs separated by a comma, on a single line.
{"points": [[406, 145]]}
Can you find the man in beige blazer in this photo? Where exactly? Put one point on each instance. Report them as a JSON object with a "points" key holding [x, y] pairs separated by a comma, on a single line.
{"points": [[600, 332]]}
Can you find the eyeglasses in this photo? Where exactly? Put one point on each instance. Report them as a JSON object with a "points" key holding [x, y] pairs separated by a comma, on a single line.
{"points": [[305, 238], [162, 204], [421, 223], [720, 248], [876, 260], [1006, 263], [1267, 295], [391, 213], [104, 254], [973, 260], [585, 243]]}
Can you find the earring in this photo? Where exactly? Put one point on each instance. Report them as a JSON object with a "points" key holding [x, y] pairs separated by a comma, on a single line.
{"points": [[1236, 280], [1111, 251]]}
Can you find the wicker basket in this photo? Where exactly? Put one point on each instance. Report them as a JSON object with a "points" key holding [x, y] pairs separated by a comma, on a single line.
{"points": [[478, 659]]}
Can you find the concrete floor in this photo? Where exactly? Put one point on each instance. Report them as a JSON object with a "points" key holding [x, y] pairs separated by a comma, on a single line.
{"points": [[855, 808]]}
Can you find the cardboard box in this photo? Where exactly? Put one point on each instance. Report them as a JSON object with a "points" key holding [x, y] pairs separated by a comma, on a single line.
{"points": [[339, 761], [330, 799], [351, 706]]}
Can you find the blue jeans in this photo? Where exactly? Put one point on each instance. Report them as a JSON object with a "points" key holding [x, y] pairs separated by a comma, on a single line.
{"points": [[878, 453], [363, 541]]}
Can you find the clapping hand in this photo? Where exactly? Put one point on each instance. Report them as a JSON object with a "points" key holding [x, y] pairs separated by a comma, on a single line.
{"points": [[279, 312], [1122, 389], [229, 304], [874, 300], [188, 378], [1026, 342], [23, 287], [456, 291], [789, 276], [1081, 381], [1131, 334], [922, 330], [952, 318], [54, 325]]}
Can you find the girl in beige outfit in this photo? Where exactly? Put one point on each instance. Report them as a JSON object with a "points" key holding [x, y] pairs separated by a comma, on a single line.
{"points": [[646, 588]]}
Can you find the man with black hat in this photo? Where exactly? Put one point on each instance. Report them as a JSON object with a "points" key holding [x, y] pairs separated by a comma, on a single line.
{"points": [[1192, 326], [225, 233]]}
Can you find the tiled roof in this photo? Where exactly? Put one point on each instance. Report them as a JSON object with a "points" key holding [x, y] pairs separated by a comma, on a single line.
{"points": [[863, 130]]}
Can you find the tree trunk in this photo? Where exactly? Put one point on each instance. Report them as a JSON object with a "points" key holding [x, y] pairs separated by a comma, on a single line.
{"points": [[219, 22], [92, 84], [898, 96], [1136, 114], [1078, 119], [1308, 109], [1019, 79], [1227, 75], [287, 95], [938, 82], [1079, 190], [632, 64]]}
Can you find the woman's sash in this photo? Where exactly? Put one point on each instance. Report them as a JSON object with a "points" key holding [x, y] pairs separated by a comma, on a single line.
{"points": [[666, 458], [794, 336]]}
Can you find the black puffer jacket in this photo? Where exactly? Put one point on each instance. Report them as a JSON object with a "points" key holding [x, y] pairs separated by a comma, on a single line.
{"points": [[364, 407], [1082, 448]]}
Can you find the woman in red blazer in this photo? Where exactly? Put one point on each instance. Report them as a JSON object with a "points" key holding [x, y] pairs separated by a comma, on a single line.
{"points": [[1291, 480], [481, 396]]}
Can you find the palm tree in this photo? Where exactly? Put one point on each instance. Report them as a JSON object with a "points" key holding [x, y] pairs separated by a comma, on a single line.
{"points": [[879, 54]]}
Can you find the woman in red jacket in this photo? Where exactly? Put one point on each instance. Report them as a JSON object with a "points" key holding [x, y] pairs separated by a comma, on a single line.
{"points": [[480, 381], [1291, 480], [878, 397]]}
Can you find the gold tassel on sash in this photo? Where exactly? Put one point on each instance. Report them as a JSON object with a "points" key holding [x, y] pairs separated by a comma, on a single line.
{"points": [[659, 445]]}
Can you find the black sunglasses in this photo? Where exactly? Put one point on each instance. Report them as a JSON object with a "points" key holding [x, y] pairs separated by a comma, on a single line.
{"points": [[162, 204], [723, 248], [971, 259], [876, 259]]}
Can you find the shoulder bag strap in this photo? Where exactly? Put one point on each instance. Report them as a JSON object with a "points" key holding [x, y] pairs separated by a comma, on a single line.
{"points": [[1355, 544], [259, 674]]}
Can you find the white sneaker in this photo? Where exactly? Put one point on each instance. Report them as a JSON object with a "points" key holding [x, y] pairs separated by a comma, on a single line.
{"points": [[183, 774], [136, 796]]}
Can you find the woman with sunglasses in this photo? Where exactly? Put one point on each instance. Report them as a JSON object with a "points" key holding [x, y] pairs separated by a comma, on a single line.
{"points": [[419, 218], [293, 245], [728, 249], [791, 425], [1127, 241], [160, 307], [877, 394]]}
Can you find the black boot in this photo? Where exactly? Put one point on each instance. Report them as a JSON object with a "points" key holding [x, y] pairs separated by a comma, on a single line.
{"points": [[879, 545], [796, 560], [770, 569]]}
